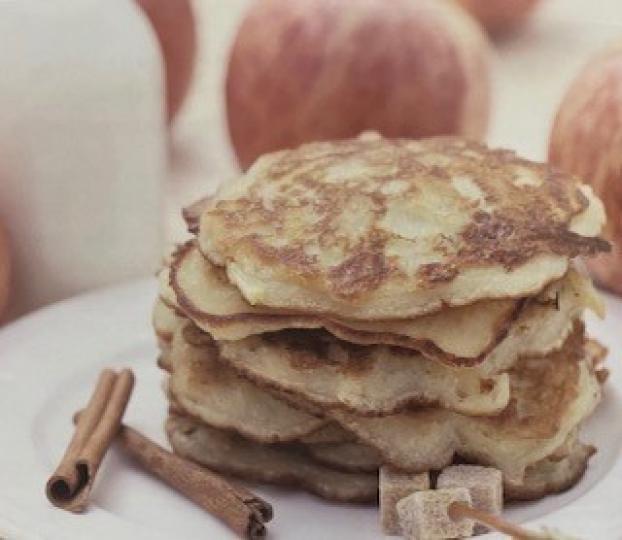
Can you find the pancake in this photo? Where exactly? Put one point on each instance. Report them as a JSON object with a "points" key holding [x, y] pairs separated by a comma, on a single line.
{"points": [[465, 335], [165, 292], [203, 291], [163, 360], [203, 388], [553, 474], [231, 454], [291, 466], [329, 433], [349, 457], [372, 380], [374, 229], [192, 213], [165, 321], [550, 397]]}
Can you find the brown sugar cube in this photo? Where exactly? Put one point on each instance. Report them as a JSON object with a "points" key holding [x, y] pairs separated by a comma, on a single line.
{"points": [[485, 485], [424, 515], [395, 485]]}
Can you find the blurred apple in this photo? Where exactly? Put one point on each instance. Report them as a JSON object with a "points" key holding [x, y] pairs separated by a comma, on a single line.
{"points": [[586, 140], [499, 16], [326, 69], [174, 25], [5, 272]]}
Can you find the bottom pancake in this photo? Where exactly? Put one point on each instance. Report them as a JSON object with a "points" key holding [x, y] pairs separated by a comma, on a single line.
{"points": [[228, 453], [291, 465]]}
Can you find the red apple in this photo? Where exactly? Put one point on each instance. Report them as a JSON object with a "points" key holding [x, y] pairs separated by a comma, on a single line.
{"points": [[586, 140], [5, 272], [499, 16], [309, 70], [174, 26]]}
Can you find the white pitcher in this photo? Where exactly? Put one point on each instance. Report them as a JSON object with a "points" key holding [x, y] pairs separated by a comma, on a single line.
{"points": [[82, 145]]}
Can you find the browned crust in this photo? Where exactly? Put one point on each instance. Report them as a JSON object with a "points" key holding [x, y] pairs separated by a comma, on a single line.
{"points": [[337, 328], [363, 271], [284, 480], [490, 238]]}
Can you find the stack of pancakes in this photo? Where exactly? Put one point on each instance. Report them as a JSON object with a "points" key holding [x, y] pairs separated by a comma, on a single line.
{"points": [[350, 304]]}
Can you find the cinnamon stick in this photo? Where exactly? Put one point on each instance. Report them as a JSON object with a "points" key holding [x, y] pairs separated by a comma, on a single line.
{"points": [[460, 510], [96, 427], [70, 485], [241, 510]]}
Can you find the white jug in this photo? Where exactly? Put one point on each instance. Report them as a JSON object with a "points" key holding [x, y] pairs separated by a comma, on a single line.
{"points": [[82, 145]]}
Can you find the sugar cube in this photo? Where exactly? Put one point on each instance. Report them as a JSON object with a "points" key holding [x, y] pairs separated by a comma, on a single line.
{"points": [[395, 485], [485, 485], [424, 515]]}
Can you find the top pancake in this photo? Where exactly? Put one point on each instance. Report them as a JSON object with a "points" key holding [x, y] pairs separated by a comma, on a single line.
{"points": [[372, 228]]}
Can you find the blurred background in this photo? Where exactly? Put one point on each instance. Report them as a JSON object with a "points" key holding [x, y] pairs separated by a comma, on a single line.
{"points": [[117, 114]]}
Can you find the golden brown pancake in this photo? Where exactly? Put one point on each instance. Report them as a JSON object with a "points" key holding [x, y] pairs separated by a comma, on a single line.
{"points": [[372, 228], [165, 320], [231, 454], [204, 293], [493, 332], [550, 397], [213, 393], [349, 457], [371, 381], [293, 466]]}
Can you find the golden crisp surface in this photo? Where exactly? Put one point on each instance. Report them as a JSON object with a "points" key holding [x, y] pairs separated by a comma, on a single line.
{"points": [[377, 228]]}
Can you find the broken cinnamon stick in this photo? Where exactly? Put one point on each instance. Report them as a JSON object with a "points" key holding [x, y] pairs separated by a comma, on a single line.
{"points": [[241, 510], [70, 485]]}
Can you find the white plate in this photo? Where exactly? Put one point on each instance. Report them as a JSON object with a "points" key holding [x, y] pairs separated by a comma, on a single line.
{"points": [[50, 360]]}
